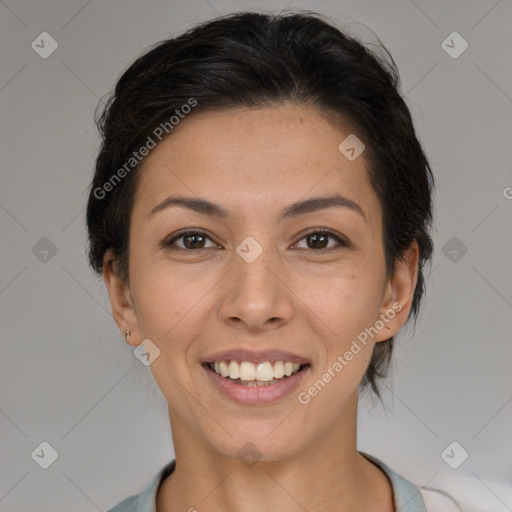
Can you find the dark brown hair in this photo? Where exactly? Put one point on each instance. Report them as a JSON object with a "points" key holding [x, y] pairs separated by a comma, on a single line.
{"points": [[259, 60]]}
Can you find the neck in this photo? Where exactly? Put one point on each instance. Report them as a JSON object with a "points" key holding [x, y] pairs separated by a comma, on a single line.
{"points": [[329, 474]]}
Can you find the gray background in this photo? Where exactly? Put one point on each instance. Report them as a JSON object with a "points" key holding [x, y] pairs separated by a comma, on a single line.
{"points": [[68, 378]]}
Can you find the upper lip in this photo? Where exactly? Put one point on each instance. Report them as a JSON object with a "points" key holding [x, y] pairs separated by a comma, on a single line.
{"points": [[255, 357]]}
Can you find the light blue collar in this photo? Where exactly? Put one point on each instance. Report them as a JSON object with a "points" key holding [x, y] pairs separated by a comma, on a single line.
{"points": [[407, 496]]}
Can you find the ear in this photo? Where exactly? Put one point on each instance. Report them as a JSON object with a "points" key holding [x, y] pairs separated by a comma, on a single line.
{"points": [[399, 293], [121, 300]]}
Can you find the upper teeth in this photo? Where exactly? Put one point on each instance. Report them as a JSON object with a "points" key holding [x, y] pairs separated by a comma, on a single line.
{"points": [[249, 371]]}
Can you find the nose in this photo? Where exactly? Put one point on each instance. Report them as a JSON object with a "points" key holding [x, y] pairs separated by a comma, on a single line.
{"points": [[255, 296]]}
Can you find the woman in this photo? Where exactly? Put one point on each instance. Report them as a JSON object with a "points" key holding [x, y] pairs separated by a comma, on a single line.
{"points": [[260, 212]]}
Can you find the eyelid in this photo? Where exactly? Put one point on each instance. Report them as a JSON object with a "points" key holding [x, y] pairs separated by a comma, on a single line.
{"points": [[342, 241], [169, 241]]}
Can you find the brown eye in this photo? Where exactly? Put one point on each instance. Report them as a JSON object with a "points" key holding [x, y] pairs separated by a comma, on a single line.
{"points": [[318, 240], [191, 240]]}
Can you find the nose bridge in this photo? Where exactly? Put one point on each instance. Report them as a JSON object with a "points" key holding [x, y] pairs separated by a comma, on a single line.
{"points": [[255, 294], [253, 267]]}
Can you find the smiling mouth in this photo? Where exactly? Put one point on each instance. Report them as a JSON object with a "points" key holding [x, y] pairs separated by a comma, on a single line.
{"points": [[246, 373]]}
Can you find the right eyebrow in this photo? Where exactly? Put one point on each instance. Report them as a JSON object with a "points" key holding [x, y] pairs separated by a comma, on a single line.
{"points": [[198, 205], [303, 207]]}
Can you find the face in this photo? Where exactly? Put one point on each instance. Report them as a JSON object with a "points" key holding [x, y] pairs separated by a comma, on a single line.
{"points": [[260, 268]]}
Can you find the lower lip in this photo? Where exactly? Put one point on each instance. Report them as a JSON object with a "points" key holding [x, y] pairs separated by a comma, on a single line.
{"points": [[256, 395]]}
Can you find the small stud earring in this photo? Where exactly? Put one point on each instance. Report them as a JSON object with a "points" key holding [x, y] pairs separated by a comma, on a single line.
{"points": [[127, 334]]}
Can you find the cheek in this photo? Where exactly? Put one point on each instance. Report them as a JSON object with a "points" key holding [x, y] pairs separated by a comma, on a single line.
{"points": [[166, 306], [169, 312], [345, 300]]}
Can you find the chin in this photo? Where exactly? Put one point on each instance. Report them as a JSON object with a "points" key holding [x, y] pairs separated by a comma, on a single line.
{"points": [[254, 443]]}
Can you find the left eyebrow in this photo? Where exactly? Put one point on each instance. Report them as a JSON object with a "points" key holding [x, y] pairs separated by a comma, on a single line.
{"points": [[320, 203], [198, 205], [309, 205]]}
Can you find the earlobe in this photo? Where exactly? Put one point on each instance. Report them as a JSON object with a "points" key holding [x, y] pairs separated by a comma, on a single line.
{"points": [[121, 300], [400, 293]]}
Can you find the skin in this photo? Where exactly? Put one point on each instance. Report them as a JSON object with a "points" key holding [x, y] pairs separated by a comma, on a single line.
{"points": [[311, 302]]}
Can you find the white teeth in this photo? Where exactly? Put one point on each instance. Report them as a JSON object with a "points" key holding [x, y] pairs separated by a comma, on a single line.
{"points": [[278, 369], [224, 369], [251, 374], [264, 371], [234, 370], [247, 371]]}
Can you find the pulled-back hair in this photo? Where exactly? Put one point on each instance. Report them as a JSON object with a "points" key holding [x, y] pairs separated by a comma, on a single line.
{"points": [[259, 60]]}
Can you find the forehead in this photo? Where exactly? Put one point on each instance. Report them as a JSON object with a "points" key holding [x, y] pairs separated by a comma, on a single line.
{"points": [[259, 157]]}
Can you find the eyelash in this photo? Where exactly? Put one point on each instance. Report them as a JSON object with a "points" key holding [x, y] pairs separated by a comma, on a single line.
{"points": [[341, 241]]}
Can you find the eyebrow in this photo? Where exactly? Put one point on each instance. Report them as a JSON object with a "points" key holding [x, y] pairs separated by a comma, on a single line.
{"points": [[310, 205]]}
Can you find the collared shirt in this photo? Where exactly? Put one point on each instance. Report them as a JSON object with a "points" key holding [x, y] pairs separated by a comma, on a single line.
{"points": [[407, 496]]}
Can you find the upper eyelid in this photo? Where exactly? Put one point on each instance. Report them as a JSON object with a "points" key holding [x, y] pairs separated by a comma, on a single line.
{"points": [[169, 240], [341, 239]]}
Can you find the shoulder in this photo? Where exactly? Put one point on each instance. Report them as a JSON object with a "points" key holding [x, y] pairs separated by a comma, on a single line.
{"points": [[409, 498], [146, 500], [127, 505], [406, 495], [438, 501]]}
